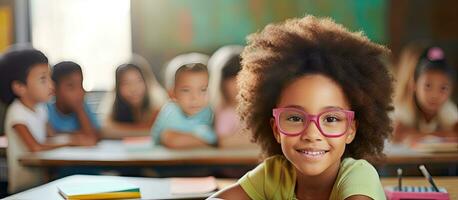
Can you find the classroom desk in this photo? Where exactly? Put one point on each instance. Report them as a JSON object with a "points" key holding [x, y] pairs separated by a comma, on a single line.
{"points": [[398, 154], [156, 188], [116, 153], [150, 188]]}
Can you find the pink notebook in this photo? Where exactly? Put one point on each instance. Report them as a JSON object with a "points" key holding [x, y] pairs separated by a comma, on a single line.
{"points": [[199, 185], [416, 192]]}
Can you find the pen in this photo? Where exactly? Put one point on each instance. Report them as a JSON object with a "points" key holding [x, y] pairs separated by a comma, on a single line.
{"points": [[428, 177], [399, 179]]}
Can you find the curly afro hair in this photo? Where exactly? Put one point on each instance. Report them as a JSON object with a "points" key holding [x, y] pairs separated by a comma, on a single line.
{"points": [[282, 53]]}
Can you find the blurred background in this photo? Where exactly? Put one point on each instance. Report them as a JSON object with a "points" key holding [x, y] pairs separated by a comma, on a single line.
{"points": [[101, 34]]}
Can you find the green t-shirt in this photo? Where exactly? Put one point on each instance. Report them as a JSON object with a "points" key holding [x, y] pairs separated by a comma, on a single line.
{"points": [[275, 178]]}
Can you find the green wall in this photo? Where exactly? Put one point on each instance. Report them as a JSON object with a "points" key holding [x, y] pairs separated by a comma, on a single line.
{"points": [[162, 29]]}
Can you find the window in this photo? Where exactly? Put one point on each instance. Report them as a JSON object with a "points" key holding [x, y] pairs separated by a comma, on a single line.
{"points": [[94, 34]]}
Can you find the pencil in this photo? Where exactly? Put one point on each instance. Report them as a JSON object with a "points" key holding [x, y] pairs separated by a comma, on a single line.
{"points": [[399, 179], [428, 177]]}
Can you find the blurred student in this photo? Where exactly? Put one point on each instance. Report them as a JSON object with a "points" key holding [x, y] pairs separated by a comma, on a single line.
{"points": [[178, 61], [69, 113], [224, 65], [186, 121], [132, 110], [25, 86], [423, 106]]}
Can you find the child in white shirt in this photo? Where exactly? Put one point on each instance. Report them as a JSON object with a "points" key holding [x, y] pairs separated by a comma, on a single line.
{"points": [[25, 84]]}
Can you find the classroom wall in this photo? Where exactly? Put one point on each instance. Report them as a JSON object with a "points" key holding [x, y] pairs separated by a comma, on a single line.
{"points": [[161, 29]]}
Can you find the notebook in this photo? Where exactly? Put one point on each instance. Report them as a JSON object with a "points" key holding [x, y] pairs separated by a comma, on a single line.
{"points": [[99, 189], [199, 185]]}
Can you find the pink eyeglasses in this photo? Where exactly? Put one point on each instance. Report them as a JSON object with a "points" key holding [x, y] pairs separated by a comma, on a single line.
{"points": [[331, 123]]}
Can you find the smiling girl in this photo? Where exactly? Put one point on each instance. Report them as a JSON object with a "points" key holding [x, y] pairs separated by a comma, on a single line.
{"points": [[325, 94]]}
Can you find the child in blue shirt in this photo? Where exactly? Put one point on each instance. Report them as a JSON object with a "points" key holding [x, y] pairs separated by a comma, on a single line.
{"points": [[186, 121], [69, 113]]}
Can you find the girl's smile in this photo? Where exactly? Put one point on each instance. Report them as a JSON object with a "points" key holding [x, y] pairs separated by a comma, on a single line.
{"points": [[310, 151]]}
